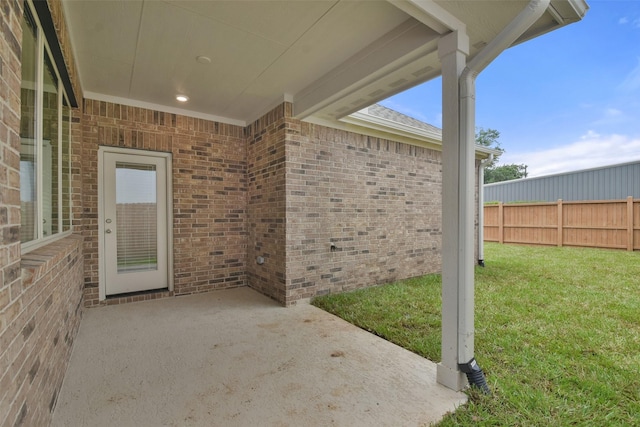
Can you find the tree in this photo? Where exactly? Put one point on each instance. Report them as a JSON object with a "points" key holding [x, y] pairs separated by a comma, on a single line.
{"points": [[493, 172], [489, 138], [504, 173]]}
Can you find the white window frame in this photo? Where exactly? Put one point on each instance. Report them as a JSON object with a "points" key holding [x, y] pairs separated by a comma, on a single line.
{"points": [[42, 49]]}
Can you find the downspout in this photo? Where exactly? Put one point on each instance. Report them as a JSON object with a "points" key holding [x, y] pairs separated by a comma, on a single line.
{"points": [[523, 21], [481, 209]]}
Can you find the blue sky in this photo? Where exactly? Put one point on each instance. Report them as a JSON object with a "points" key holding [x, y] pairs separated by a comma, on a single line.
{"points": [[567, 100]]}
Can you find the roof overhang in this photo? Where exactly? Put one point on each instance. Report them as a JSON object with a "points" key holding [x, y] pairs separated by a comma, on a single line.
{"points": [[329, 58], [366, 123], [393, 127]]}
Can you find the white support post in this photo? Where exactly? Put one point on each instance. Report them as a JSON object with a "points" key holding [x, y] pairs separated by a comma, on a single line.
{"points": [[458, 187], [480, 248]]}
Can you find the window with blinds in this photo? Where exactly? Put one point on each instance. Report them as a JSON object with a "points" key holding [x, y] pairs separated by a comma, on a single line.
{"points": [[136, 217]]}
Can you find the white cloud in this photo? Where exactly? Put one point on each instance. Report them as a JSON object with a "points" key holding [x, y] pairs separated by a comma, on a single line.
{"points": [[591, 150], [632, 81], [635, 22], [590, 135], [611, 116], [612, 112]]}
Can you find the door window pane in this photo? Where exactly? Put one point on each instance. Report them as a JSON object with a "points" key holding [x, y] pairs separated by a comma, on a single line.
{"points": [[28, 152], [136, 217]]}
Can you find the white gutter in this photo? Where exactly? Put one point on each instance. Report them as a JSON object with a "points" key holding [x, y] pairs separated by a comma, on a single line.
{"points": [[527, 17], [481, 209]]}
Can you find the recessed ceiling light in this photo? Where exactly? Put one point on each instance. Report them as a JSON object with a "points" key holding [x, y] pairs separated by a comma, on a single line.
{"points": [[203, 59], [182, 98]]}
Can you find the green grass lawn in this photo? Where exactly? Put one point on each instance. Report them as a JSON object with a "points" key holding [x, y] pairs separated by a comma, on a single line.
{"points": [[557, 334]]}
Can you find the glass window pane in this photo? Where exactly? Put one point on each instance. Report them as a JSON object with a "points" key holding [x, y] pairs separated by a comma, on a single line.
{"points": [[136, 217], [50, 153], [28, 152], [66, 166]]}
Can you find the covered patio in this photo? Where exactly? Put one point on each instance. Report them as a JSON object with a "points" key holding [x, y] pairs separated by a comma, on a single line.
{"points": [[246, 118], [237, 358], [318, 63]]}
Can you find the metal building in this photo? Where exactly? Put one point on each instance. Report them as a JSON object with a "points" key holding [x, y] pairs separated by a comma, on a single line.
{"points": [[603, 183]]}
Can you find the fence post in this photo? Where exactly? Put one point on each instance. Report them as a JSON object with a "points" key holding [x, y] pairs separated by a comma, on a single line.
{"points": [[560, 222], [630, 223], [500, 223]]}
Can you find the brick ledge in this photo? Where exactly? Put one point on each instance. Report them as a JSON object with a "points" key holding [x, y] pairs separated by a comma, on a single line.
{"points": [[39, 261]]}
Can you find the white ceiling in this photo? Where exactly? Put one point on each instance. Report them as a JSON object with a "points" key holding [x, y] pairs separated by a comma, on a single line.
{"points": [[330, 58]]}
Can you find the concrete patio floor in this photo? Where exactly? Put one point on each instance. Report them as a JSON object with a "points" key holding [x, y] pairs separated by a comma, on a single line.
{"points": [[236, 358]]}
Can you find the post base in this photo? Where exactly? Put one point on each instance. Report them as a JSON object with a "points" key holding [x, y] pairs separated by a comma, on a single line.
{"points": [[451, 378]]}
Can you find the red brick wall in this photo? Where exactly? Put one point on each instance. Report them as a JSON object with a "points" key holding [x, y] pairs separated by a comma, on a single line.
{"points": [[57, 16], [10, 80], [377, 201], [40, 292], [11, 293], [209, 192], [266, 203], [301, 188], [37, 340]]}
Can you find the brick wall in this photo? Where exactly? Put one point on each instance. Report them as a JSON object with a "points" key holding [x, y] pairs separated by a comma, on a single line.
{"points": [[40, 292], [209, 192], [62, 32], [10, 81], [285, 196], [266, 203], [11, 302], [377, 201], [37, 339]]}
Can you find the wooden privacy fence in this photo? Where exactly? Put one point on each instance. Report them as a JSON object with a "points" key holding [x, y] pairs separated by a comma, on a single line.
{"points": [[613, 224]]}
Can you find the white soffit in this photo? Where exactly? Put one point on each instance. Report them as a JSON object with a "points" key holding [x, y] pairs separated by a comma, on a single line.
{"points": [[336, 37], [331, 58], [104, 52]]}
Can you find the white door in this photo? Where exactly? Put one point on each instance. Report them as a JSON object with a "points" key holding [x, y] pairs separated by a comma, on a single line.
{"points": [[134, 223]]}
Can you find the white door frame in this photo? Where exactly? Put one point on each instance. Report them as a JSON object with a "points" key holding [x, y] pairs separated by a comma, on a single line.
{"points": [[102, 285]]}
